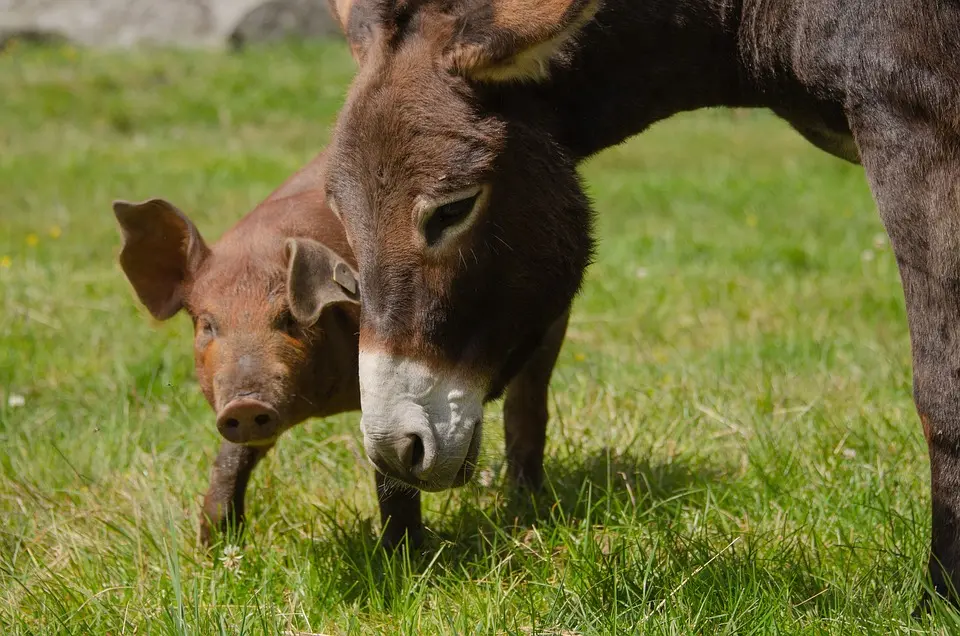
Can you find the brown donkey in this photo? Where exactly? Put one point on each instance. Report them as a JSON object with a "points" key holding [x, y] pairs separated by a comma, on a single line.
{"points": [[455, 177], [275, 316]]}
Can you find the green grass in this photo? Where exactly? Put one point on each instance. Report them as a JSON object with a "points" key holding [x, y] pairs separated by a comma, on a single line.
{"points": [[733, 447]]}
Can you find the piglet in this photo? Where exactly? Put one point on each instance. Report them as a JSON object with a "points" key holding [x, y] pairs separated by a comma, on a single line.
{"points": [[275, 311]]}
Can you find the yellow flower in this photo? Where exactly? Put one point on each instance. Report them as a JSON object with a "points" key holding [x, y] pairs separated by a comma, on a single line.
{"points": [[32, 240], [751, 220], [55, 231], [5, 262], [579, 357]]}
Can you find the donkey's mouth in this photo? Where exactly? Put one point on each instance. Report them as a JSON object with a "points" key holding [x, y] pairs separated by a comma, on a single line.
{"points": [[465, 474]]}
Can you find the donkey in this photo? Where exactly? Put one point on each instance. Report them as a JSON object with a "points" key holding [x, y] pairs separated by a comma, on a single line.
{"points": [[455, 176], [275, 313]]}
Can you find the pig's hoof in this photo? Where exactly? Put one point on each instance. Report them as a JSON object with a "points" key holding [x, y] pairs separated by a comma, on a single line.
{"points": [[212, 530], [206, 538]]}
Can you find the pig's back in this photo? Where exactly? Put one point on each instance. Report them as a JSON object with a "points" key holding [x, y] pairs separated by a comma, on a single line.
{"points": [[303, 214], [310, 177]]}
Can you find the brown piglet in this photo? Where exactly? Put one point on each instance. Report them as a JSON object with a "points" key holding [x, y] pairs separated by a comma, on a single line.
{"points": [[275, 311]]}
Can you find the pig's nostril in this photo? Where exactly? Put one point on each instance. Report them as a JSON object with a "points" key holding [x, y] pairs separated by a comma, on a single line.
{"points": [[247, 421]]}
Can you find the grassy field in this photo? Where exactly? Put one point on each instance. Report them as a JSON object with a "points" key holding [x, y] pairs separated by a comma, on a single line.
{"points": [[733, 446]]}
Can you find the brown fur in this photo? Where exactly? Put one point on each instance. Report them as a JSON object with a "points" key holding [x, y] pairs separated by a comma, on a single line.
{"points": [[236, 287], [872, 82], [240, 283]]}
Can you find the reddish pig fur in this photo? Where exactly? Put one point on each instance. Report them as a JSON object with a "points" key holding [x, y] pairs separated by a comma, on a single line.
{"points": [[270, 340]]}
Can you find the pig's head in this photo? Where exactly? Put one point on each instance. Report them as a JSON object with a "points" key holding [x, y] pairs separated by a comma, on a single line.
{"points": [[275, 318]]}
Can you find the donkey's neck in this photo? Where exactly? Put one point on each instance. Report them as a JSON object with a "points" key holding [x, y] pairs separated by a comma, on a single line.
{"points": [[641, 61]]}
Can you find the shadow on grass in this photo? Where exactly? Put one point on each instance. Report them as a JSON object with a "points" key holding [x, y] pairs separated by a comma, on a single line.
{"points": [[616, 529], [604, 495], [605, 488]]}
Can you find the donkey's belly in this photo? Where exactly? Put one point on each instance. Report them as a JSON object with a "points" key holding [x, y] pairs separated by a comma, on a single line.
{"points": [[830, 138]]}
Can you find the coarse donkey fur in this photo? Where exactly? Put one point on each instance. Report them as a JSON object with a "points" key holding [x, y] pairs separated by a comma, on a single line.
{"points": [[455, 175]]}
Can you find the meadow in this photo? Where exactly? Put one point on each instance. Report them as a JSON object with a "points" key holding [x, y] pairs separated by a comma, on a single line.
{"points": [[733, 446]]}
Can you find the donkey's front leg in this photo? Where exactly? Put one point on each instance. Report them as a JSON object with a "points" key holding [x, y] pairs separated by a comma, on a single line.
{"points": [[525, 410], [401, 520], [914, 171]]}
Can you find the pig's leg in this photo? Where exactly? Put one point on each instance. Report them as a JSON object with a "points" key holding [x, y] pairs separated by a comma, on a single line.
{"points": [[399, 512], [224, 503], [525, 410]]}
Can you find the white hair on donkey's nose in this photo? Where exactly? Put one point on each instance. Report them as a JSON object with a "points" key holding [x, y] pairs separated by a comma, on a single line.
{"points": [[401, 398]]}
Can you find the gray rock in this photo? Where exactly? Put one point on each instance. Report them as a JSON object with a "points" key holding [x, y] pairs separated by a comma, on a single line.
{"points": [[280, 19], [124, 23]]}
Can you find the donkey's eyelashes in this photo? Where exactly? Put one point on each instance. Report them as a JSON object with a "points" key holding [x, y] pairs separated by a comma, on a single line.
{"points": [[447, 215], [449, 218]]}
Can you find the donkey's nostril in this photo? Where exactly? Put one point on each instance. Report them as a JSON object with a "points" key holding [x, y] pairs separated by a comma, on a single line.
{"points": [[409, 452], [408, 457], [262, 419], [416, 453], [232, 423]]}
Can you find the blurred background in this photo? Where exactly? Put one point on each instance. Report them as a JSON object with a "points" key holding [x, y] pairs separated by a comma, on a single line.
{"points": [[732, 444], [192, 23]]}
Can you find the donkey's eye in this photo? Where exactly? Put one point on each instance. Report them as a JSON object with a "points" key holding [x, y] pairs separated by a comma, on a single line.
{"points": [[447, 216]]}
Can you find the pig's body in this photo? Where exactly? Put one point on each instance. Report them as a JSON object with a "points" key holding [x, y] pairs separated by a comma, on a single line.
{"points": [[242, 266], [262, 369]]}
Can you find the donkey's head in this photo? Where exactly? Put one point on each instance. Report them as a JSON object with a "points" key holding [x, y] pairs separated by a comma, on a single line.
{"points": [[469, 224]]}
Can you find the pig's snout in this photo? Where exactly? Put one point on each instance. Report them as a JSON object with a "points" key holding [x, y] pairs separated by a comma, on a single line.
{"points": [[248, 421]]}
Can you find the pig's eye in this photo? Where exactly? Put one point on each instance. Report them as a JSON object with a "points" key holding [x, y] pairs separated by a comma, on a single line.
{"points": [[206, 327], [206, 331]]}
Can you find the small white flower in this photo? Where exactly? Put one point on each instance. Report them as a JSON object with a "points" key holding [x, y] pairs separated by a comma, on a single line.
{"points": [[849, 453], [642, 272], [486, 478], [163, 410], [231, 558], [867, 256], [880, 241], [16, 401]]}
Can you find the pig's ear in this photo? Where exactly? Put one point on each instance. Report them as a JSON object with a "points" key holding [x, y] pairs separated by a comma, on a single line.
{"points": [[317, 278], [162, 249]]}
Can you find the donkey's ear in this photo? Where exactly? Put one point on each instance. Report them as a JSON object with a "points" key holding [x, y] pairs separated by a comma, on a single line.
{"points": [[516, 40], [162, 249], [356, 19]]}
